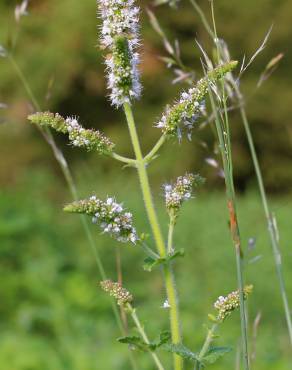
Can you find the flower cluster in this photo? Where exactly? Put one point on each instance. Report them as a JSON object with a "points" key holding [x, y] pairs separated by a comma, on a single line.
{"points": [[225, 305], [119, 33], [175, 194], [117, 291], [79, 136], [182, 115], [109, 215]]}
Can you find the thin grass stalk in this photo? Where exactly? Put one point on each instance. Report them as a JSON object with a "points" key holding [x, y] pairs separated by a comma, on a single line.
{"points": [[234, 229], [157, 234], [269, 217], [73, 191], [206, 346], [144, 335]]}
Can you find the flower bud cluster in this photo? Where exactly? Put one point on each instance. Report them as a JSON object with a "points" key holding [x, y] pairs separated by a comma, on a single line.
{"points": [[119, 33], [117, 291], [225, 305], [79, 136], [182, 115], [109, 215], [175, 194]]}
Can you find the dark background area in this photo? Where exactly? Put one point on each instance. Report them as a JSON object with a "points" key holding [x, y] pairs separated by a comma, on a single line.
{"points": [[57, 45]]}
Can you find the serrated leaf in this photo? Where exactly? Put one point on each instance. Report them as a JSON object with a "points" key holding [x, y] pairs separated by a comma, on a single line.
{"points": [[134, 341], [163, 338], [151, 262], [181, 350], [214, 353], [179, 253], [138, 343]]}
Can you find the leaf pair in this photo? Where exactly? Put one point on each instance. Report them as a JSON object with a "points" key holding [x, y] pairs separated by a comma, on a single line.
{"points": [[151, 262], [138, 343]]}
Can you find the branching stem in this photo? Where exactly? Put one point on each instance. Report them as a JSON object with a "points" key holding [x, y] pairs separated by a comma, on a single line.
{"points": [[157, 234], [143, 334]]}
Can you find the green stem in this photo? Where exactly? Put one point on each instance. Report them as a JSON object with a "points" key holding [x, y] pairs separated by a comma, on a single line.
{"points": [[153, 220], [72, 188], [269, 217], [172, 221], [203, 18], [144, 335], [123, 159], [234, 229], [206, 346], [148, 158]]}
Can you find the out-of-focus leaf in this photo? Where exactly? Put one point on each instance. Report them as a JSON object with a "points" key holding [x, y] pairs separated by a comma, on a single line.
{"points": [[214, 354], [151, 262], [135, 342], [181, 350], [163, 338], [138, 343]]}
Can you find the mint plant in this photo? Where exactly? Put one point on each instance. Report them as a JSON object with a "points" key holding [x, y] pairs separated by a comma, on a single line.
{"points": [[119, 36]]}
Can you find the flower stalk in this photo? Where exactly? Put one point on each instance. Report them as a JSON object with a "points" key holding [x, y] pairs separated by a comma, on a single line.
{"points": [[157, 234]]}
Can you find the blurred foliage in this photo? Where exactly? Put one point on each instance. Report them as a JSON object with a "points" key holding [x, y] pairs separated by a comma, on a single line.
{"points": [[56, 46], [54, 316]]}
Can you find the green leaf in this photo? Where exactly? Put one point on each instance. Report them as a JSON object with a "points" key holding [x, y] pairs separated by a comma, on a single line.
{"points": [[134, 341], [181, 350], [138, 343], [163, 338], [214, 353], [151, 262]]}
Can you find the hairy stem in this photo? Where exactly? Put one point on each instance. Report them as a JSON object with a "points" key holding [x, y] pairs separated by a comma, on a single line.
{"points": [[148, 158], [144, 335], [172, 220], [157, 234], [206, 346]]}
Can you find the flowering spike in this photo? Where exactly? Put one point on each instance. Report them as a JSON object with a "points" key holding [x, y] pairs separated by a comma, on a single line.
{"points": [[225, 305], [79, 136], [175, 194], [109, 215], [119, 33], [183, 114], [117, 291]]}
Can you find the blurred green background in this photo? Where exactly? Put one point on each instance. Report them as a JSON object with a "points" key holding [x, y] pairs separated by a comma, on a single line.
{"points": [[52, 314]]}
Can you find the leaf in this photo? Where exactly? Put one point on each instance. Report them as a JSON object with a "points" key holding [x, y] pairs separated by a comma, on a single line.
{"points": [[163, 338], [134, 341], [214, 353], [151, 262], [181, 350], [138, 343]]}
